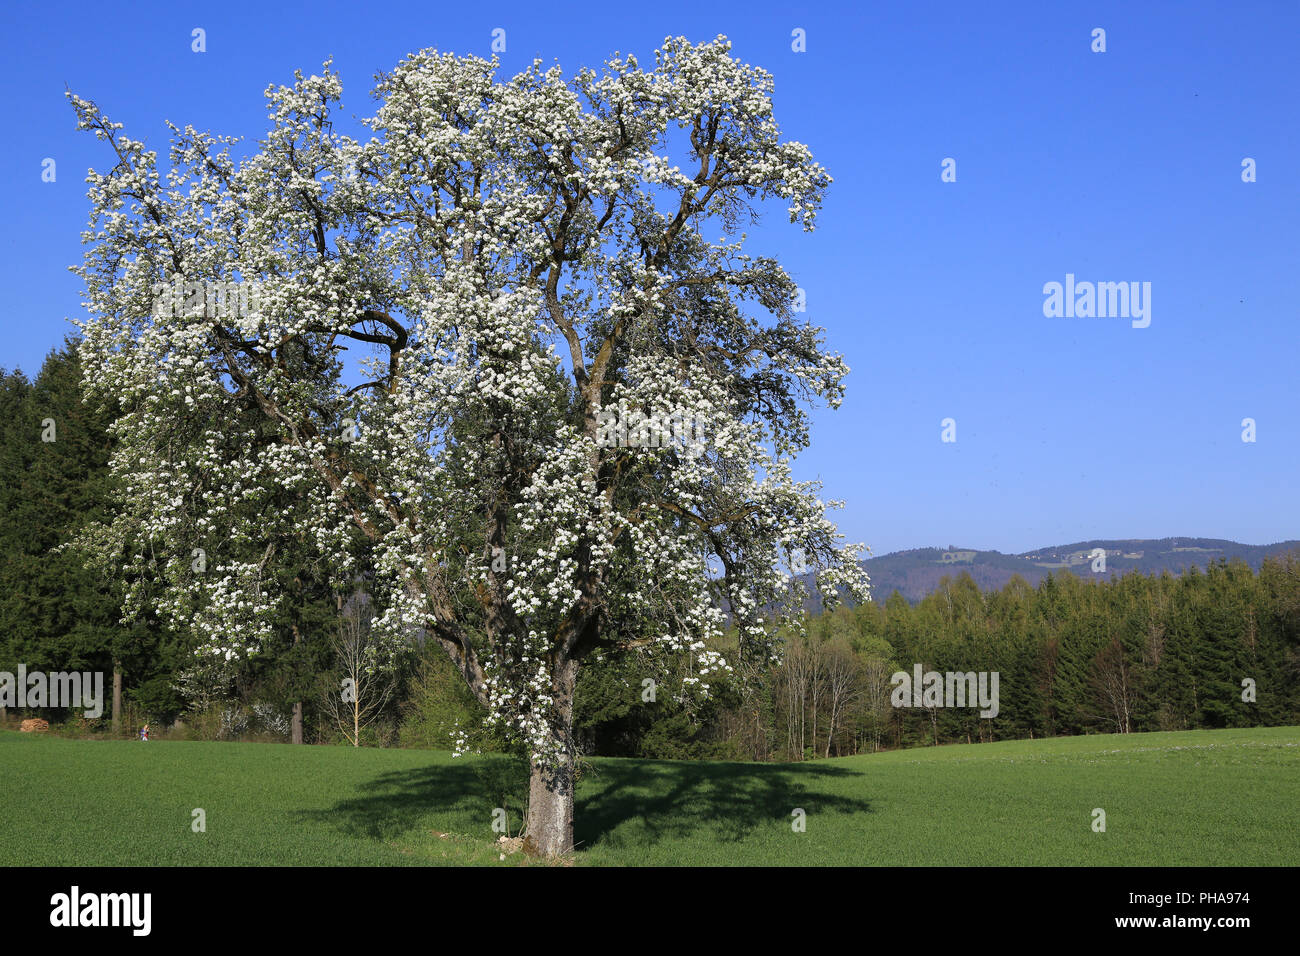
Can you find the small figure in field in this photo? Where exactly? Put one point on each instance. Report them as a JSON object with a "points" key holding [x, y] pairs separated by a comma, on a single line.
{"points": [[144, 733]]}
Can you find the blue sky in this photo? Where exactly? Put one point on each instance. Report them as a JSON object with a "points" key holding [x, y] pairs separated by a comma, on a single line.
{"points": [[1115, 166]]}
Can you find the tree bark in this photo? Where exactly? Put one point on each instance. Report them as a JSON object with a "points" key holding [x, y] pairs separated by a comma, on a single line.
{"points": [[550, 787], [117, 698], [295, 725]]}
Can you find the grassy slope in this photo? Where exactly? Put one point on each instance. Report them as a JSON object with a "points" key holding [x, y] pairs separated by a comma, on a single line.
{"points": [[1228, 797]]}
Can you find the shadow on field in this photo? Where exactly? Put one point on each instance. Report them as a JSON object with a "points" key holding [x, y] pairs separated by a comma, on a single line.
{"points": [[462, 795], [641, 802], [623, 803]]}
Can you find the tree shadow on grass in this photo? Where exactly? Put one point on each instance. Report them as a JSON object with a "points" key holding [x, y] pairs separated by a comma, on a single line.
{"points": [[620, 803], [391, 804], [628, 803]]}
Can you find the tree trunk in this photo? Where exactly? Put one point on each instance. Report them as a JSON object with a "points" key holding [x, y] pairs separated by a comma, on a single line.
{"points": [[550, 809], [550, 788], [295, 725], [117, 698]]}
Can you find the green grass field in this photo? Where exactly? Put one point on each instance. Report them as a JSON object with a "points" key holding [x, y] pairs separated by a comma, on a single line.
{"points": [[1229, 797]]}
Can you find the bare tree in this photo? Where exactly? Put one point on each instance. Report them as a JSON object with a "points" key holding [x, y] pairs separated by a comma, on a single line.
{"points": [[367, 679], [934, 720], [795, 677], [1113, 684], [843, 686], [876, 689], [816, 684]]}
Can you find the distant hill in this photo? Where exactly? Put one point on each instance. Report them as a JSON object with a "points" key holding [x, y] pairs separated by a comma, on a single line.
{"points": [[916, 573]]}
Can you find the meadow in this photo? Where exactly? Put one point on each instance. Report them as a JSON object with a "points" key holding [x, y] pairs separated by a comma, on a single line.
{"points": [[1207, 797]]}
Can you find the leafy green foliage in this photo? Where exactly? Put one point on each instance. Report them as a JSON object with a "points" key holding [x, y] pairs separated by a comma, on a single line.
{"points": [[56, 614]]}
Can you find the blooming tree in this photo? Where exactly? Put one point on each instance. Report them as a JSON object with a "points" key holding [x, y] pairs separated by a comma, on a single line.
{"points": [[516, 258]]}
